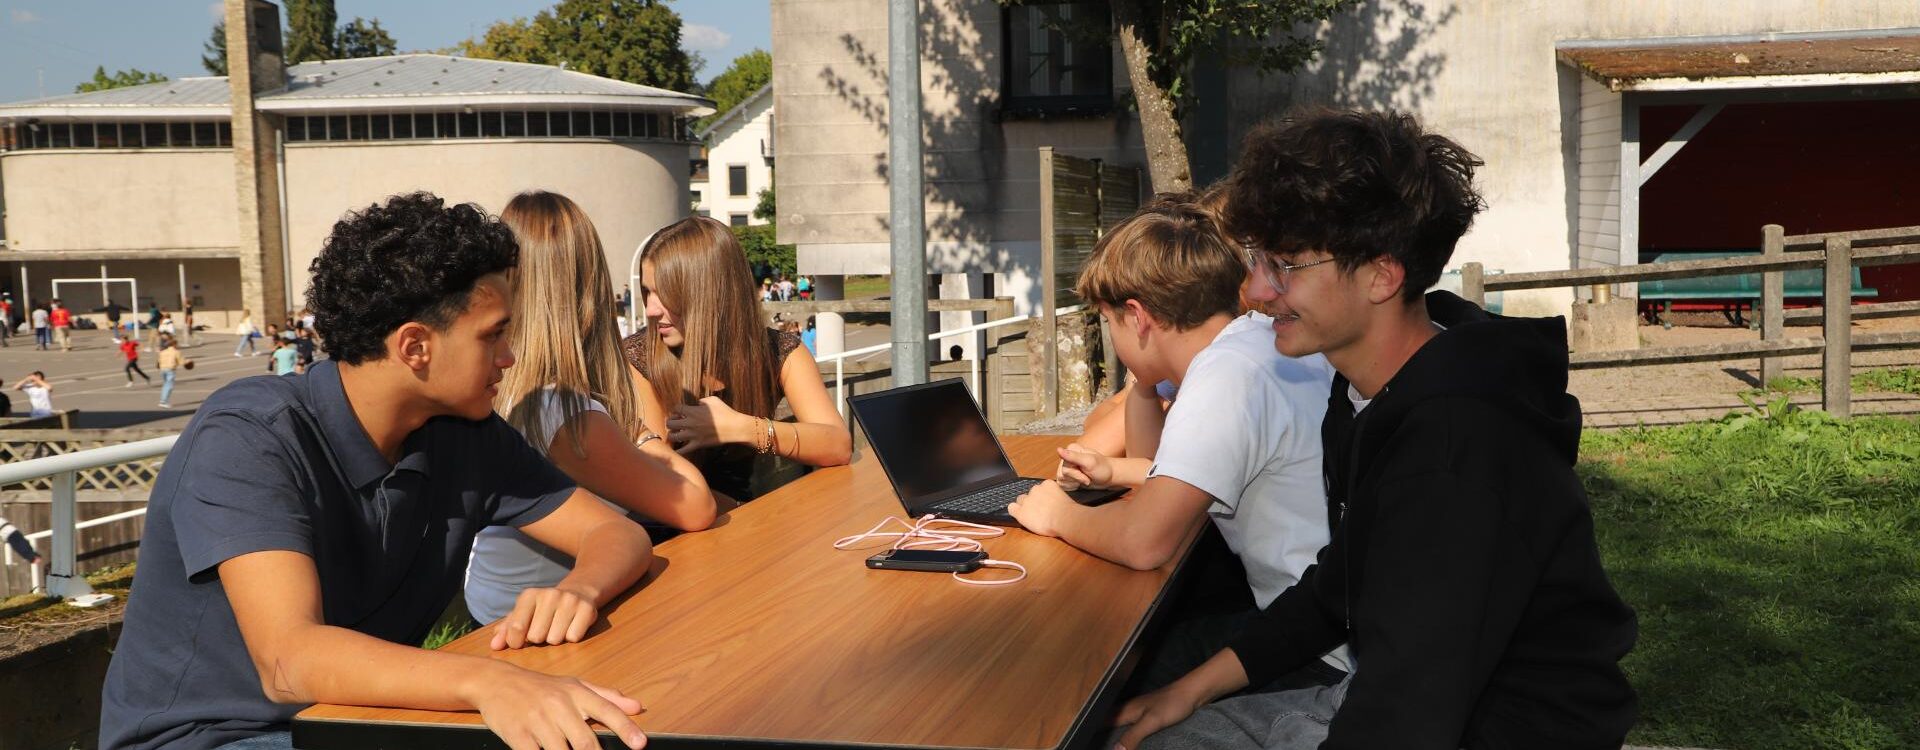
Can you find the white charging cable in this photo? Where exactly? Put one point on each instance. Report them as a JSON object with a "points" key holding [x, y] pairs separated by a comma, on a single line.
{"points": [[936, 533]]}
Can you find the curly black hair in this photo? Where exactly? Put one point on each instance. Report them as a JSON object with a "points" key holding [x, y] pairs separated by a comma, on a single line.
{"points": [[412, 259], [1358, 185]]}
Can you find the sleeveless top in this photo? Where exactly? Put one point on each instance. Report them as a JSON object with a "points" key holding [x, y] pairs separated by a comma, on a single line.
{"points": [[736, 470]]}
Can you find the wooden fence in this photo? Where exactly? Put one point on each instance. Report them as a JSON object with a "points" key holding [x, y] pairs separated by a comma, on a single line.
{"points": [[1836, 254]]}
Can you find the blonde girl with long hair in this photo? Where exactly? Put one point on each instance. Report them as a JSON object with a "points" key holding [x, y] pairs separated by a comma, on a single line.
{"points": [[570, 395], [711, 374]]}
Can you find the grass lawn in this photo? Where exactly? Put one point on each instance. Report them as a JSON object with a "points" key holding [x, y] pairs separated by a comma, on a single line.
{"points": [[1773, 560], [1892, 380], [867, 287]]}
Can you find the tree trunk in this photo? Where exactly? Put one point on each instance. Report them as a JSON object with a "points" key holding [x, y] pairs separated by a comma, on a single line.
{"points": [[1167, 162]]}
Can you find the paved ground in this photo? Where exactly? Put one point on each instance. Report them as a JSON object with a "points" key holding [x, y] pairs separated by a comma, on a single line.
{"points": [[90, 379]]}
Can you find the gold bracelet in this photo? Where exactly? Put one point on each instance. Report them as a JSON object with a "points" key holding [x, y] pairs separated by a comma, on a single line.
{"points": [[767, 445], [647, 437]]}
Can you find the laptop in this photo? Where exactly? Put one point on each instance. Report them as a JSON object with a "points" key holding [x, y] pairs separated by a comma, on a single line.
{"points": [[937, 450]]}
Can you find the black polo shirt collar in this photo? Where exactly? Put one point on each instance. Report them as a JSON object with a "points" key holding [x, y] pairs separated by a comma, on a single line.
{"points": [[353, 449]]}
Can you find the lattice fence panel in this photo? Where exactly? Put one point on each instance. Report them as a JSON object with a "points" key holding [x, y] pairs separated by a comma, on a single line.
{"points": [[136, 475]]}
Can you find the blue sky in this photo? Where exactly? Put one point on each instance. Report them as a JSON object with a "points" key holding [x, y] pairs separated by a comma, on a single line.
{"points": [[61, 41]]}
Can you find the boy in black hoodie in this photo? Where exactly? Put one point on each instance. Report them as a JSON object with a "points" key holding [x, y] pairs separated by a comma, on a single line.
{"points": [[1462, 570]]}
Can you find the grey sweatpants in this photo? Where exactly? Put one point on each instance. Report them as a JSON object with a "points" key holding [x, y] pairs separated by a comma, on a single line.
{"points": [[1286, 720]]}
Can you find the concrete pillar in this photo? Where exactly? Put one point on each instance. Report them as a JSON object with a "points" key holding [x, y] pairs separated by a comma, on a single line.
{"points": [[255, 65], [830, 329]]}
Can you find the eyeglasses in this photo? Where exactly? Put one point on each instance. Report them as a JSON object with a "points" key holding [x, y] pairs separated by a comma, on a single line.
{"points": [[1275, 272]]}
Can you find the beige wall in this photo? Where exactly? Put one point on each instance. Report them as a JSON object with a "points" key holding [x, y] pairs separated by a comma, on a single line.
{"points": [[213, 282], [982, 175], [1484, 73], [117, 199], [628, 189]]}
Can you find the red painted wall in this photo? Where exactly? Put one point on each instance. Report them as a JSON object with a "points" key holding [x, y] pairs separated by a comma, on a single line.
{"points": [[1813, 167]]}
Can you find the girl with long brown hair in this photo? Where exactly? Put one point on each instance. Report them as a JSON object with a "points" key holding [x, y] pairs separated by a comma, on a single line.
{"points": [[569, 394], [711, 374]]}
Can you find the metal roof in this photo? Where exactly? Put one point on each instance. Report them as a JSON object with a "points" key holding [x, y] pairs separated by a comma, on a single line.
{"points": [[737, 111], [1868, 56], [414, 81]]}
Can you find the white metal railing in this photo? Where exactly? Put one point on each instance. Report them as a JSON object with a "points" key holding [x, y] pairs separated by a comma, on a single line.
{"points": [[973, 368], [63, 578]]}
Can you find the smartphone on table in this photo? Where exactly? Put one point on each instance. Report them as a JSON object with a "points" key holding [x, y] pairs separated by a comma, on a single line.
{"points": [[928, 560]]}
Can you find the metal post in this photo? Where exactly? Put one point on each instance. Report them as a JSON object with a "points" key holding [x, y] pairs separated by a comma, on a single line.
{"points": [[26, 292], [63, 577], [908, 214], [1773, 287], [1837, 369]]}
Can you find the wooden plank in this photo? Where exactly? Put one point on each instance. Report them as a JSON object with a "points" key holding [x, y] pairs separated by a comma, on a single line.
{"points": [[1879, 256], [1773, 290], [1861, 239], [1040, 336], [1473, 284], [1837, 365], [1673, 355], [1860, 312]]}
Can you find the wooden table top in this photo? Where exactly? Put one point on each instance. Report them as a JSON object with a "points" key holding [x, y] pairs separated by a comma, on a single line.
{"points": [[758, 631]]}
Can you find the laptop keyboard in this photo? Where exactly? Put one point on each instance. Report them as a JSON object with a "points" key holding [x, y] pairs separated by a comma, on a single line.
{"points": [[990, 501]]}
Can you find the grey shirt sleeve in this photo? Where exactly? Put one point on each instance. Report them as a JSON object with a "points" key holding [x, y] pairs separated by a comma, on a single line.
{"points": [[526, 485]]}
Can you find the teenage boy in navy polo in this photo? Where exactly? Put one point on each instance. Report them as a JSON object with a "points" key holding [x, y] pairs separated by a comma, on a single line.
{"points": [[307, 531], [1462, 572]]}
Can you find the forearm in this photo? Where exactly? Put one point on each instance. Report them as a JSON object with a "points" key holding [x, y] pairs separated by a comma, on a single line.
{"points": [[813, 444], [1145, 419], [1120, 533], [1214, 679], [337, 665], [1130, 472], [612, 557]]}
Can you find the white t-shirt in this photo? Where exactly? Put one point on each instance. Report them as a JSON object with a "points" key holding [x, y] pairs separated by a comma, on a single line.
{"points": [[504, 561], [1246, 430], [39, 318], [39, 401]]}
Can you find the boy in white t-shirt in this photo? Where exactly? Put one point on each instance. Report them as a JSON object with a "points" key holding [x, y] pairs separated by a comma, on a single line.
{"points": [[1241, 444]]}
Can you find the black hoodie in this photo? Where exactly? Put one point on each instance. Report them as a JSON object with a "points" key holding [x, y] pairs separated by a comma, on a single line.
{"points": [[1462, 568]]}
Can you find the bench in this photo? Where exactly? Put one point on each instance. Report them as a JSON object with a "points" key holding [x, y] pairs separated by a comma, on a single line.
{"points": [[1736, 292]]}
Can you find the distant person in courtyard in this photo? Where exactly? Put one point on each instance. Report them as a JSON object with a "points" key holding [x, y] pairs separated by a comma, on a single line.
{"points": [[62, 321], [247, 333], [286, 359], [171, 362], [42, 328], [6, 403], [39, 394], [7, 319], [130, 349]]}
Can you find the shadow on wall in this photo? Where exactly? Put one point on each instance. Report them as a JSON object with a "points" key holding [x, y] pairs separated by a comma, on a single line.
{"points": [[965, 151], [1375, 57]]}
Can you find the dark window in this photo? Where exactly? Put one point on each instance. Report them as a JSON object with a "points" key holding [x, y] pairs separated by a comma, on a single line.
{"points": [[83, 135], [156, 133], [357, 127], [180, 134], [649, 126], [537, 124], [446, 125], [490, 124], [469, 125], [562, 124], [1058, 60], [107, 135], [603, 124], [423, 126], [205, 135], [296, 129], [61, 133], [696, 196], [40, 134], [736, 179], [738, 220], [337, 128], [514, 124], [226, 135], [622, 125], [403, 126], [382, 127]]}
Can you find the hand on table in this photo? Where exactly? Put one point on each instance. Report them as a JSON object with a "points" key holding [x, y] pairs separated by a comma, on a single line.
{"points": [[1041, 509], [533, 711], [545, 616], [1080, 467]]}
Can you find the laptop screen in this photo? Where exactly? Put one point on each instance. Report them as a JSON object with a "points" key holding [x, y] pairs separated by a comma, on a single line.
{"points": [[932, 440]]}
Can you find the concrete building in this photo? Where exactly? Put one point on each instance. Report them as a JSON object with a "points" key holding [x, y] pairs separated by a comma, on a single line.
{"points": [[738, 161], [140, 182], [1804, 142]]}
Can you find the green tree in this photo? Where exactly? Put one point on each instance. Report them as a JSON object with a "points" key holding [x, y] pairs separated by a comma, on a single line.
{"points": [[120, 78], [214, 51], [310, 31], [630, 40], [746, 75], [1160, 40], [362, 38], [760, 247], [764, 210]]}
